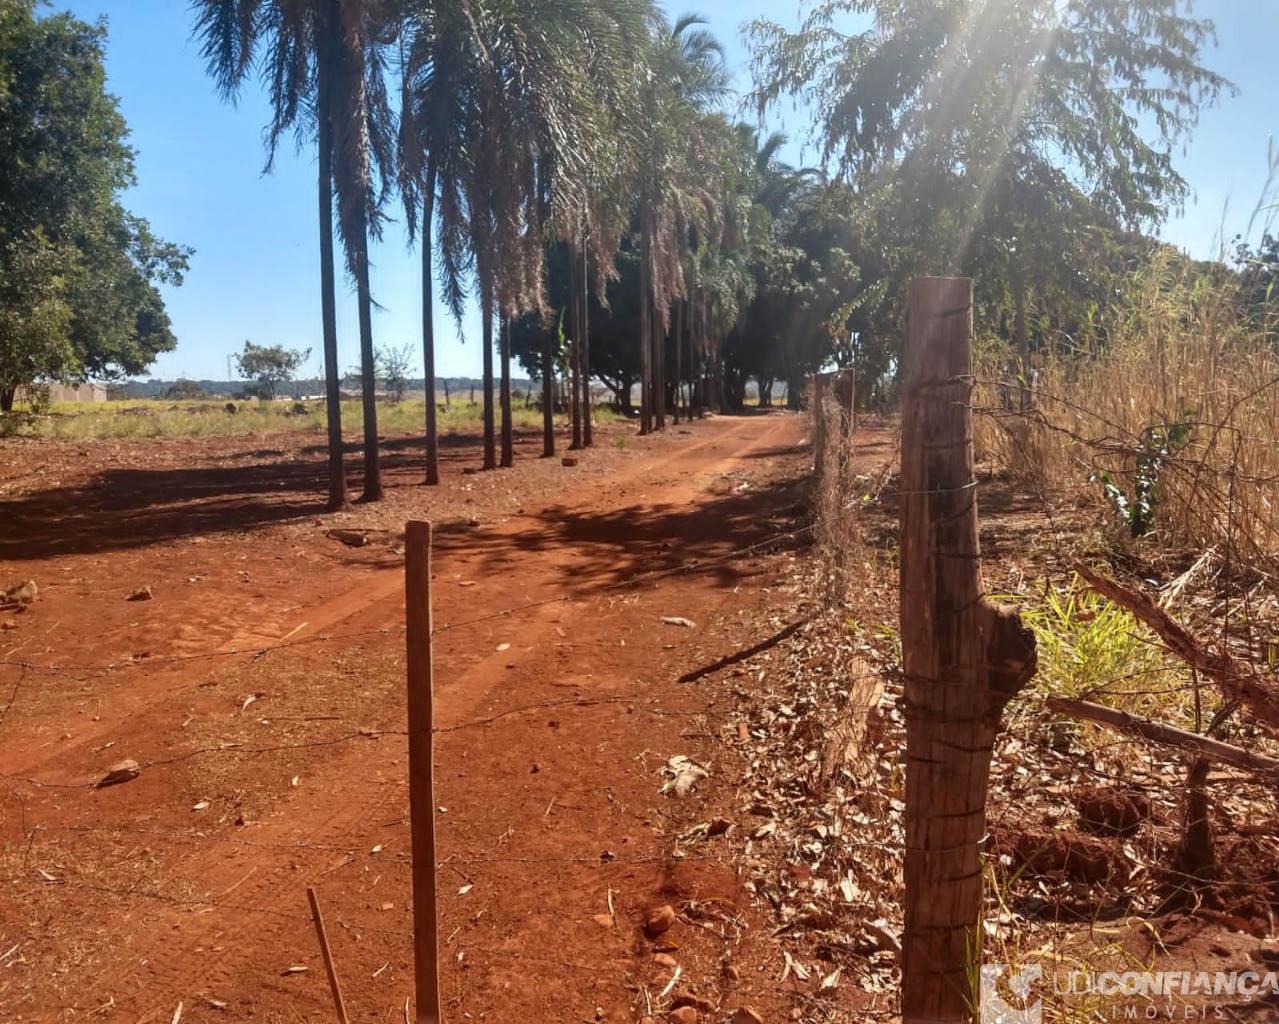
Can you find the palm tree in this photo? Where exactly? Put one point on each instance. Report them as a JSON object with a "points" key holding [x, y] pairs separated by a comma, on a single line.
{"points": [[686, 74], [323, 71], [507, 104]]}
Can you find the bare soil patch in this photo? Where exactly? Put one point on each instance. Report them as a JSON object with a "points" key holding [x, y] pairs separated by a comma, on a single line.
{"points": [[260, 692]]}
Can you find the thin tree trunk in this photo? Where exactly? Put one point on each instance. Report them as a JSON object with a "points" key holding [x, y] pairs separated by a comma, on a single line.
{"points": [[1021, 336], [679, 352], [574, 352], [8, 394], [508, 426], [659, 373], [338, 497], [588, 436], [490, 437], [368, 374], [548, 394], [646, 313], [428, 331]]}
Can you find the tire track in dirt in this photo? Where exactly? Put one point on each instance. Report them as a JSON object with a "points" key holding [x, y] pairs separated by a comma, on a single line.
{"points": [[179, 945]]}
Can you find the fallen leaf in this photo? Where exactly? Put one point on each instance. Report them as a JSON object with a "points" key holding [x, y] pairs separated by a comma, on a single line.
{"points": [[678, 620], [295, 969], [684, 775], [466, 888]]}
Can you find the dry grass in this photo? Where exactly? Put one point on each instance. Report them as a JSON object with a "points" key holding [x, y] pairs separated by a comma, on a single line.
{"points": [[1177, 354], [209, 417]]}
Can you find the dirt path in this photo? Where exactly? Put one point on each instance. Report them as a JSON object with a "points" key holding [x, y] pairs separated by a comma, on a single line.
{"points": [[557, 706]]}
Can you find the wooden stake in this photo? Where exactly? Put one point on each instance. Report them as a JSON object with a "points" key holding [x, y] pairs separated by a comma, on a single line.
{"points": [[421, 674], [324, 952], [963, 658]]}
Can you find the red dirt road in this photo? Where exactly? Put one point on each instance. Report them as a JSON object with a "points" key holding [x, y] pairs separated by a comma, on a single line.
{"points": [[266, 771]]}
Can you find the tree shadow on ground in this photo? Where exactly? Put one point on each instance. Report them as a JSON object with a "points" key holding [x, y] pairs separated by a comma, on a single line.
{"points": [[121, 508], [713, 535]]}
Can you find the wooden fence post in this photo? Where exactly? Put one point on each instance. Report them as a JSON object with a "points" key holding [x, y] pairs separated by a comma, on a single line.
{"points": [[963, 659], [417, 608], [818, 413]]}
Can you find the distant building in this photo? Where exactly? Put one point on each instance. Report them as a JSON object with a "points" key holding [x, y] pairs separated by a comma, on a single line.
{"points": [[86, 392]]}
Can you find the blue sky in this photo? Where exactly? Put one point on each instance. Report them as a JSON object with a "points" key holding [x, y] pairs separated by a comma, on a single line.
{"points": [[255, 273]]}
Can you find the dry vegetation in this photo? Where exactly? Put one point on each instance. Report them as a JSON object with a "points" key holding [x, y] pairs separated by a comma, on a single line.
{"points": [[1184, 394], [210, 417], [1091, 856]]}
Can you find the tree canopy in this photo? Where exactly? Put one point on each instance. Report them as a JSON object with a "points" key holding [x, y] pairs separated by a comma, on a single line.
{"points": [[270, 365], [78, 273]]}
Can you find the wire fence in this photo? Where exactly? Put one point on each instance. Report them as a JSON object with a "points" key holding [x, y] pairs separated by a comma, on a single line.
{"points": [[856, 486]]}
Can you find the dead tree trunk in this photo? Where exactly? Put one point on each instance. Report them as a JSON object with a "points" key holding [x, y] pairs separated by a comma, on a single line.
{"points": [[963, 658]]}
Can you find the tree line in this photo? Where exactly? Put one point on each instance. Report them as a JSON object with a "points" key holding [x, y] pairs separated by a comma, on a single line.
{"points": [[574, 166]]}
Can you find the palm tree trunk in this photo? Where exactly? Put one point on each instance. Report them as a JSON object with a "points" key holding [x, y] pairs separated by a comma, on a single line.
{"points": [[428, 331], [659, 373], [486, 311], [548, 394], [328, 289], [646, 350], [574, 355], [368, 376], [587, 434], [508, 427], [679, 352]]}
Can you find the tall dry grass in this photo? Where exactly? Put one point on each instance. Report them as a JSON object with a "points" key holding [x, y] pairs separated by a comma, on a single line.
{"points": [[1178, 352]]}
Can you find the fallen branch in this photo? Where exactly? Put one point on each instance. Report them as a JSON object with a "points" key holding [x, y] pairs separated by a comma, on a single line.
{"points": [[749, 652], [1236, 679], [1158, 732]]}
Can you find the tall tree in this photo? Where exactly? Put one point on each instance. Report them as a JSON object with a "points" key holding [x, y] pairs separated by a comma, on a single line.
{"points": [[78, 273], [935, 103], [322, 64], [506, 105], [686, 74]]}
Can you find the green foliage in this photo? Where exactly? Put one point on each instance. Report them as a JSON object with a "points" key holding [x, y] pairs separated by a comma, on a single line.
{"points": [[393, 368], [1091, 649], [183, 389], [1159, 443], [1011, 141], [77, 272], [270, 365]]}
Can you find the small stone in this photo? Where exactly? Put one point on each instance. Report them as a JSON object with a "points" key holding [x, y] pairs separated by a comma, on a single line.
{"points": [[665, 960], [747, 1015], [732, 973], [684, 998], [604, 920], [684, 1015], [660, 919], [21, 595], [569, 460], [351, 538], [124, 771], [141, 594]]}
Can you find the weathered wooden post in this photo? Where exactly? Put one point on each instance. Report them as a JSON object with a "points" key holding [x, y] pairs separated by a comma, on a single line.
{"points": [[418, 627], [963, 658], [818, 413]]}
